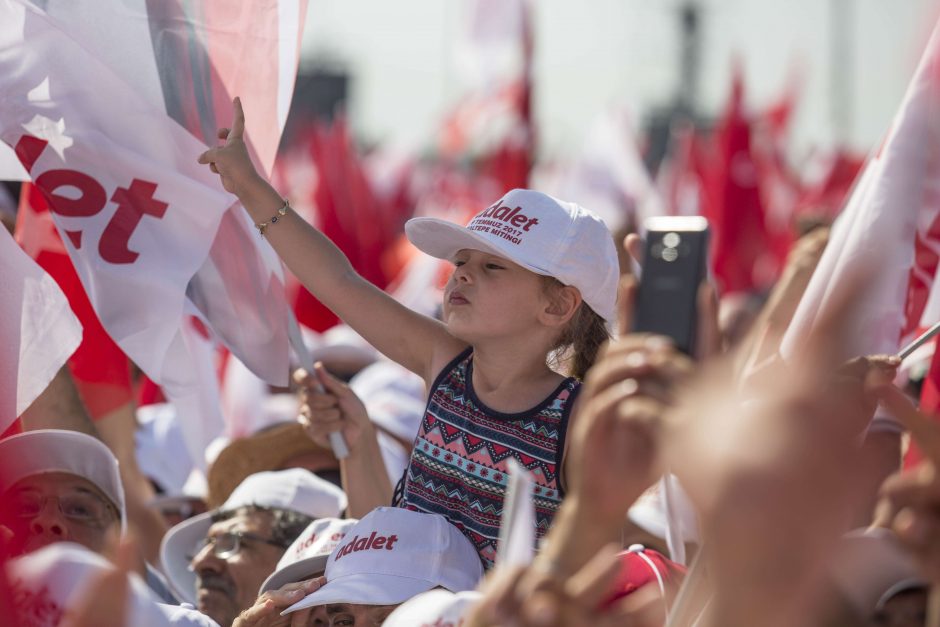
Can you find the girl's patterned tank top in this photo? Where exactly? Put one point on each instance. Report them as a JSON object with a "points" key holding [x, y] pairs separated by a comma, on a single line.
{"points": [[459, 464]]}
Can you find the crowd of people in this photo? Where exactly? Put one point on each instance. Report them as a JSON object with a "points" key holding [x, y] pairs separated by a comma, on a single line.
{"points": [[730, 487]]}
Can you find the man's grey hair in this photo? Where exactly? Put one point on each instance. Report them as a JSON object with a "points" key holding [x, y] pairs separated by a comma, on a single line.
{"points": [[286, 524]]}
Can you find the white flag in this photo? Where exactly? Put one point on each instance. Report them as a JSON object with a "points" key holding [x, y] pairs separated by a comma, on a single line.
{"points": [[38, 331], [108, 106], [893, 213]]}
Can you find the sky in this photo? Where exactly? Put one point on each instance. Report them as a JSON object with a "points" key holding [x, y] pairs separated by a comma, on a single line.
{"points": [[854, 59]]}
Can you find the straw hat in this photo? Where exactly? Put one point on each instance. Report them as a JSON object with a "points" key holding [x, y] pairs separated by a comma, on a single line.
{"points": [[272, 448]]}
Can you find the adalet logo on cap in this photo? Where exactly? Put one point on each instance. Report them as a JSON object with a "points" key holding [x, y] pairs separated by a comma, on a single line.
{"points": [[374, 542]]}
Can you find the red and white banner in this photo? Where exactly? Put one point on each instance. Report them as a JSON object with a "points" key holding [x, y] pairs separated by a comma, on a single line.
{"points": [[889, 231], [38, 331], [107, 108]]}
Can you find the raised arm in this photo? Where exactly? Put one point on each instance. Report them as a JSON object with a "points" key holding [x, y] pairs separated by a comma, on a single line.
{"points": [[417, 342]]}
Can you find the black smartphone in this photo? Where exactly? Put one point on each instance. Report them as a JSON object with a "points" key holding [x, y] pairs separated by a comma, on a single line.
{"points": [[675, 262]]}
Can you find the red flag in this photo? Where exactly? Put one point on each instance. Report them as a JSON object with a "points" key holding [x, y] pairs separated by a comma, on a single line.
{"points": [[734, 206]]}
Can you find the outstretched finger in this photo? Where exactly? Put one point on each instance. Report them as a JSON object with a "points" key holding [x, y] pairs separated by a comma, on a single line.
{"points": [[633, 244], [709, 333], [626, 302], [238, 125], [208, 156], [222, 133]]}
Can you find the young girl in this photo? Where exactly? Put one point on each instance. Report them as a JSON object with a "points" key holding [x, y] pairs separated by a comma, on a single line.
{"points": [[533, 277]]}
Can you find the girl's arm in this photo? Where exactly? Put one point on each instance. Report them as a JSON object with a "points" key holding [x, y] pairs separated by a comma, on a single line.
{"points": [[417, 342]]}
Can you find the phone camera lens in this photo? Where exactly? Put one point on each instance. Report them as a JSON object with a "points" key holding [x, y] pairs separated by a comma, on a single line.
{"points": [[671, 240], [670, 254]]}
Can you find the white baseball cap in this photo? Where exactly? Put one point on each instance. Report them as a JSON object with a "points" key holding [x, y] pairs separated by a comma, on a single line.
{"points": [[306, 557], [56, 450], [293, 489], [50, 580], [434, 609], [392, 555], [540, 233]]}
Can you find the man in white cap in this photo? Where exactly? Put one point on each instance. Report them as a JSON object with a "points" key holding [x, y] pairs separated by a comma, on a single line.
{"points": [[388, 557], [59, 489], [58, 486], [219, 559]]}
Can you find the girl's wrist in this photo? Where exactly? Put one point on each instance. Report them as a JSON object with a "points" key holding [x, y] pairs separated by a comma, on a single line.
{"points": [[260, 199]]}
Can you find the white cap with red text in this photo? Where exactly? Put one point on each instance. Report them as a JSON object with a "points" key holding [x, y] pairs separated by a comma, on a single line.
{"points": [[306, 557], [50, 581], [294, 489], [392, 555], [540, 233]]}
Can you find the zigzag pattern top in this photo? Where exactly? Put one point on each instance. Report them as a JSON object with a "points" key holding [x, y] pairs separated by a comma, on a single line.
{"points": [[458, 465]]}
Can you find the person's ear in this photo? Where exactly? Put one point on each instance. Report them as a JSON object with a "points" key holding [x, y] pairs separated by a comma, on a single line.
{"points": [[560, 306]]}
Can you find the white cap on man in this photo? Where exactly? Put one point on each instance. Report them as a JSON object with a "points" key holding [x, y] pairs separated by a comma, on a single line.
{"points": [[56, 450], [293, 489], [306, 557], [392, 555]]}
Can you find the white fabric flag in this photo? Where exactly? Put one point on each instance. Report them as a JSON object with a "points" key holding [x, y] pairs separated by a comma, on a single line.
{"points": [[108, 107], [38, 331], [894, 211]]}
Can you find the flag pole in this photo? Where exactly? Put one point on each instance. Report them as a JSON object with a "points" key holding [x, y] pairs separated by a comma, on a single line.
{"points": [[337, 441]]}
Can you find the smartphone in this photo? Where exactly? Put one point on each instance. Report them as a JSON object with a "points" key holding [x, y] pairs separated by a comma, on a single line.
{"points": [[675, 262]]}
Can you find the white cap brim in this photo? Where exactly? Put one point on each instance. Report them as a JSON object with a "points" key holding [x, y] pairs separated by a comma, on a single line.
{"points": [[300, 570], [364, 589], [443, 239], [175, 549]]}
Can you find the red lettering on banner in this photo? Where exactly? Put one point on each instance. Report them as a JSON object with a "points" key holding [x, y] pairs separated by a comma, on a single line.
{"points": [[28, 149], [90, 201], [133, 204]]}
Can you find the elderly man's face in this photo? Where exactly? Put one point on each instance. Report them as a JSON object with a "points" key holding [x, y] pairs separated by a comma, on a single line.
{"points": [[349, 615], [227, 582], [57, 507]]}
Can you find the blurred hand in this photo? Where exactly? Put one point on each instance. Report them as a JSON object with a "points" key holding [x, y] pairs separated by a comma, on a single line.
{"points": [[913, 496], [266, 612], [530, 597], [327, 405], [107, 599], [614, 452]]}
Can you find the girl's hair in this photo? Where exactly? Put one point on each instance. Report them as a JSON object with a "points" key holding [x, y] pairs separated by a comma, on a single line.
{"points": [[580, 341]]}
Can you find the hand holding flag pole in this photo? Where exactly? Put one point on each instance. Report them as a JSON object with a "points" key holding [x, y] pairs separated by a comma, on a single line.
{"points": [[337, 442]]}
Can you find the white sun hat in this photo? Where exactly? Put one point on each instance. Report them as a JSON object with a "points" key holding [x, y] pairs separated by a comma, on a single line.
{"points": [[392, 555], [306, 557], [56, 450], [540, 233], [293, 489], [50, 580], [433, 608]]}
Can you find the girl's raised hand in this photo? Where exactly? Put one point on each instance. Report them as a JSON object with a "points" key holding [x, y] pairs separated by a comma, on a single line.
{"points": [[231, 160]]}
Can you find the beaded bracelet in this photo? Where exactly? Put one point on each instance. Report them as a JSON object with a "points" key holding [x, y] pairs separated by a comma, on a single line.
{"points": [[261, 226]]}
